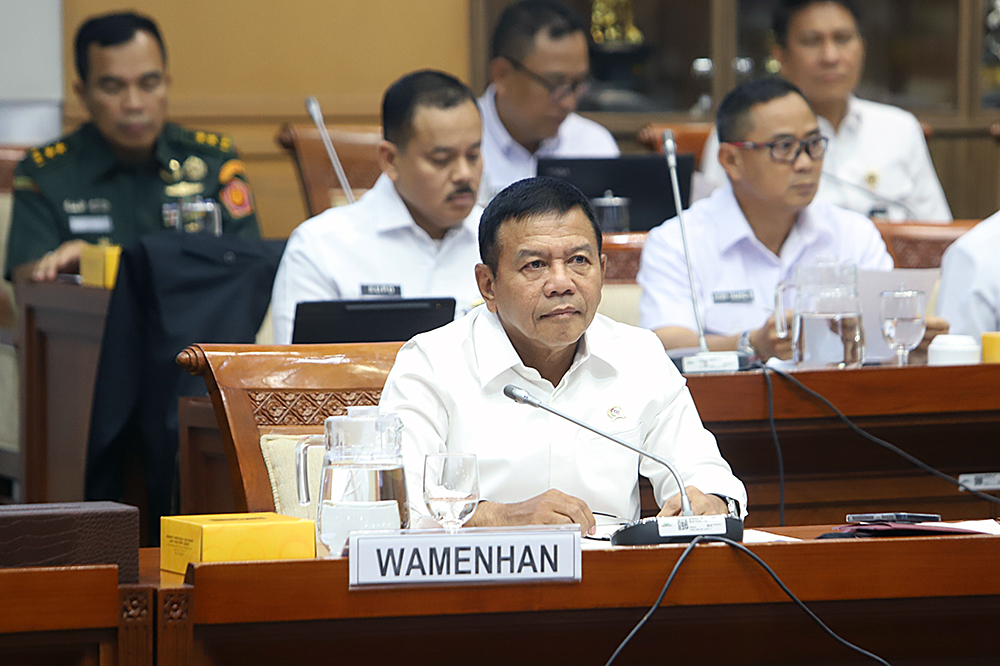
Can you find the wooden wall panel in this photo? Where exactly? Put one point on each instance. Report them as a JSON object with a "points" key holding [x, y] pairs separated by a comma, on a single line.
{"points": [[246, 66], [967, 166]]}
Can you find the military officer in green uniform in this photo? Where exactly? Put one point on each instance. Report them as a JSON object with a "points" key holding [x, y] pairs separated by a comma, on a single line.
{"points": [[112, 176]]}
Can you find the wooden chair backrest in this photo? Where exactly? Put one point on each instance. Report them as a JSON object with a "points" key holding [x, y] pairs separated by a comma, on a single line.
{"points": [[690, 137], [357, 148], [921, 245], [9, 158], [623, 251], [281, 389]]}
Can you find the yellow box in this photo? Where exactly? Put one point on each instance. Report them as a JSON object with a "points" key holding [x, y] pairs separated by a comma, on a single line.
{"points": [[99, 265], [991, 347], [234, 537]]}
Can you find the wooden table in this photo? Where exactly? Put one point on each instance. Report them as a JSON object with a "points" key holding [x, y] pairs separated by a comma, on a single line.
{"points": [[947, 416], [60, 344], [910, 600], [74, 615]]}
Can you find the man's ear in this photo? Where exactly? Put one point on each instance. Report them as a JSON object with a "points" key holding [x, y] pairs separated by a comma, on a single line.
{"points": [[388, 153], [487, 282], [499, 69], [80, 88], [731, 161]]}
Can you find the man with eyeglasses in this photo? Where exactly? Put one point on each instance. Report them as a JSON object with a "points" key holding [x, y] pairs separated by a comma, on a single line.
{"points": [[112, 177], [539, 71], [752, 232], [877, 163]]}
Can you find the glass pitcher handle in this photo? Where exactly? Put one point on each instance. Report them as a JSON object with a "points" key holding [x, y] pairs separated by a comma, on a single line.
{"points": [[780, 324], [302, 467]]}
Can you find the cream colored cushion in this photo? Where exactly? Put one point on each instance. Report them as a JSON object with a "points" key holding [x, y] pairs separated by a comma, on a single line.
{"points": [[265, 334], [279, 456], [621, 302], [8, 399]]}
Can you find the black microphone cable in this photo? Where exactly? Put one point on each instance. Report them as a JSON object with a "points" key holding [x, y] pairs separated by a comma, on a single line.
{"points": [[777, 444], [756, 558], [877, 440]]}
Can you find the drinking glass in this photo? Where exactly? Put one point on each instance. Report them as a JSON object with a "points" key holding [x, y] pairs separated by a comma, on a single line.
{"points": [[451, 488], [903, 326]]}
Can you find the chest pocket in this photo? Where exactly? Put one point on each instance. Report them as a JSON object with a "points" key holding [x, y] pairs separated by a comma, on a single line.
{"points": [[733, 318]]}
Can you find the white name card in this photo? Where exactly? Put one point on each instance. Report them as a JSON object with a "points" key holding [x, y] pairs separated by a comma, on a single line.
{"points": [[471, 556]]}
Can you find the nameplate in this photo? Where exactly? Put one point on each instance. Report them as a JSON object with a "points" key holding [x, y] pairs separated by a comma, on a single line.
{"points": [[90, 224], [381, 290], [472, 556], [738, 296]]}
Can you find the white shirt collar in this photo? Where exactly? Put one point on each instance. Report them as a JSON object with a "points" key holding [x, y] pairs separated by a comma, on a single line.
{"points": [[391, 212], [496, 355], [495, 126], [735, 228]]}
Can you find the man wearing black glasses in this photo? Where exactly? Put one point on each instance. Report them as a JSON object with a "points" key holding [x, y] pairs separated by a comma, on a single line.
{"points": [[538, 73], [752, 232]]}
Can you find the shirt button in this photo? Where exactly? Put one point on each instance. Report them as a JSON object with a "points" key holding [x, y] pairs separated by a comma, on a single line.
{"points": [[229, 257]]}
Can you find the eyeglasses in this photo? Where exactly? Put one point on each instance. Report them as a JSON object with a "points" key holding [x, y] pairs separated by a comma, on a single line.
{"points": [[788, 150], [558, 91]]}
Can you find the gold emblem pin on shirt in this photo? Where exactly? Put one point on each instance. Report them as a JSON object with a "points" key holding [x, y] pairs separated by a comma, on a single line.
{"points": [[615, 413], [871, 178]]}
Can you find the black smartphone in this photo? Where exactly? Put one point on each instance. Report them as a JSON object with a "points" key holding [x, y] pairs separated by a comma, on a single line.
{"points": [[899, 517]]}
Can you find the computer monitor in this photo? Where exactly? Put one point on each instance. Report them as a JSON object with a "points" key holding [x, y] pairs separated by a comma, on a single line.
{"points": [[370, 320], [644, 179]]}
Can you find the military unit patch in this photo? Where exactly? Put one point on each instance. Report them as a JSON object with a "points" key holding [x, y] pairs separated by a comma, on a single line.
{"points": [[237, 199], [230, 169], [26, 183]]}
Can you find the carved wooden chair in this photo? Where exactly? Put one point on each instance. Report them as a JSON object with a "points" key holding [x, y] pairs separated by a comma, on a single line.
{"points": [[690, 137], [918, 245], [260, 390], [357, 148]]}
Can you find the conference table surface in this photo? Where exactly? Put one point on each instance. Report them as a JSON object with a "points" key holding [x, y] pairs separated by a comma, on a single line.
{"points": [[912, 600]]}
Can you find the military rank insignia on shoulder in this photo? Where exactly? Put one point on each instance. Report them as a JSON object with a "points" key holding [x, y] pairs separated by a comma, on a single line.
{"points": [[44, 155], [221, 142]]}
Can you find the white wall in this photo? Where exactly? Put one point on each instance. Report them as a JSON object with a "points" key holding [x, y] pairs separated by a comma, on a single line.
{"points": [[31, 78]]}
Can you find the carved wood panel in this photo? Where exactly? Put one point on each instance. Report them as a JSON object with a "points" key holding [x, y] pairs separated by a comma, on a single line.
{"points": [[306, 408]]}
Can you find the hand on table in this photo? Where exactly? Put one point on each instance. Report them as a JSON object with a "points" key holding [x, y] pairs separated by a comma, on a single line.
{"points": [[552, 507], [701, 504], [63, 258]]}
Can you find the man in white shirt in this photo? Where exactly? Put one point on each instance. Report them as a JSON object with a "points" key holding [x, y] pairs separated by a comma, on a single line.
{"points": [[751, 233], [414, 233], [969, 297], [541, 278], [877, 162], [539, 71]]}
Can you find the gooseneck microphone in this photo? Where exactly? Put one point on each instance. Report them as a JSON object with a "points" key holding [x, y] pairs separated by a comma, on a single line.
{"points": [[312, 106], [699, 359], [660, 529]]}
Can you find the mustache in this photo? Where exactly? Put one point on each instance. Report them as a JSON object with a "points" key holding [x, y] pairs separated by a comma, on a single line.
{"points": [[462, 189]]}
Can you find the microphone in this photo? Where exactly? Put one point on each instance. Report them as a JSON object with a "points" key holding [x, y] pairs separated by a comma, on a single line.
{"points": [[312, 106], [657, 529], [700, 359], [874, 195]]}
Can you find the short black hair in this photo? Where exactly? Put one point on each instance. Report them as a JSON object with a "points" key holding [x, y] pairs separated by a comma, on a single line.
{"points": [[426, 87], [111, 30], [525, 199], [732, 121], [514, 36], [787, 9]]}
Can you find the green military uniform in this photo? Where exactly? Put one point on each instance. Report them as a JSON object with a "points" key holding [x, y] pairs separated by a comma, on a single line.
{"points": [[76, 188]]}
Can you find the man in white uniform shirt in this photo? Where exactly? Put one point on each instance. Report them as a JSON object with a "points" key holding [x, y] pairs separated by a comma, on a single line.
{"points": [[877, 162], [414, 233], [539, 71], [752, 232], [541, 278], [969, 297]]}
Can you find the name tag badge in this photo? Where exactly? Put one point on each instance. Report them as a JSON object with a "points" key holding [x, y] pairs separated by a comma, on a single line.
{"points": [[737, 296], [381, 290], [90, 224]]}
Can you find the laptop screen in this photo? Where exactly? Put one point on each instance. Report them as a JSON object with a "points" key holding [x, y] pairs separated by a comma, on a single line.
{"points": [[643, 179], [370, 320]]}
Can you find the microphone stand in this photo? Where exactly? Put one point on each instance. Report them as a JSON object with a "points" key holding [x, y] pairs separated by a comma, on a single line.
{"points": [[312, 106], [657, 529], [700, 359]]}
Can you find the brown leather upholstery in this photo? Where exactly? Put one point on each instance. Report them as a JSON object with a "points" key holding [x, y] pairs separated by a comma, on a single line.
{"points": [[262, 389], [911, 244], [690, 137], [917, 245], [357, 148]]}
